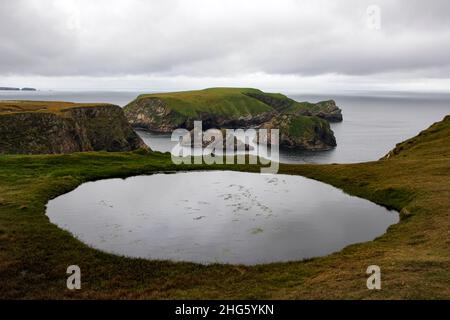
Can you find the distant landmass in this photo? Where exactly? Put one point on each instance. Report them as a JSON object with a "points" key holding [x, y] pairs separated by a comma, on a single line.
{"points": [[302, 125], [16, 89]]}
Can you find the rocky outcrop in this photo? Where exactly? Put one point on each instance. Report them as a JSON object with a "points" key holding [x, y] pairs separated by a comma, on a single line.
{"points": [[70, 129], [198, 139], [151, 114], [325, 109], [300, 132]]}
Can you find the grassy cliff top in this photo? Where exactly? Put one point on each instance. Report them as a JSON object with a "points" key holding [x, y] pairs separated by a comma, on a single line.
{"points": [[313, 107], [299, 126], [219, 101], [231, 102], [16, 106]]}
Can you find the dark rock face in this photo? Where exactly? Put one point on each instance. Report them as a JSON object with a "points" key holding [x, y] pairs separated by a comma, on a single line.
{"points": [[229, 141], [211, 121], [71, 130], [301, 132], [326, 110], [151, 114]]}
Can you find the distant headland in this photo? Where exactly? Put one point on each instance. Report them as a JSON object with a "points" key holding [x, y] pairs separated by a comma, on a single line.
{"points": [[16, 89]]}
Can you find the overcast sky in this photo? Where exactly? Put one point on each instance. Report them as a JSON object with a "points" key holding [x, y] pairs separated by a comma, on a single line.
{"points": [[288, 45]]}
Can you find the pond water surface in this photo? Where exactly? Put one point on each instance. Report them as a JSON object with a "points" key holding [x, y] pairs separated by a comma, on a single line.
{"points": [[219, 216]]}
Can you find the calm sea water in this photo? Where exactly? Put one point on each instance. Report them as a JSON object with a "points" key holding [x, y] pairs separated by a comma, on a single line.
{"points": [[120, 98], [227, 217], [372, 124]]}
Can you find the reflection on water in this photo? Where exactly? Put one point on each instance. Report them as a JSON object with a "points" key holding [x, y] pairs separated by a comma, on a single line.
{"points": [[219, 216]]}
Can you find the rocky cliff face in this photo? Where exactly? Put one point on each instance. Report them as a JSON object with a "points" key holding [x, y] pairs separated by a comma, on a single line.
{"points": [[151, 114], [325, 109], [73, 128], [301, 132], [229, 140]]}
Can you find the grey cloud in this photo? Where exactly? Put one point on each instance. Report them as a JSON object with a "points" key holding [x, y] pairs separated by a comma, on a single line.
{"points": [[194, 38]]}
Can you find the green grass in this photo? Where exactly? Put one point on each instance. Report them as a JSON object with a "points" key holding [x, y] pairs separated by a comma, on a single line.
{"points": [[414, 255], [312, 107], [226, 101], [304, 126], [215, 101], [13, 106]]}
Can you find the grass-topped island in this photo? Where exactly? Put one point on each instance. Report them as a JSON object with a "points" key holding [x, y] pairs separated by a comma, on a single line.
{"points": [[302, 125], [414, 254]]}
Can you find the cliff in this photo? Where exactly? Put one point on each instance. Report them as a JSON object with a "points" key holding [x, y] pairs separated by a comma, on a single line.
{"points": [[28, 127], [302, 132], [324, 109], [229, 140]]}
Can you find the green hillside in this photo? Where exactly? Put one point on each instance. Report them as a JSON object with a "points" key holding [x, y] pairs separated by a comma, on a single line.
{"points": [[216, 101], [16, 106], [303, 132]]}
